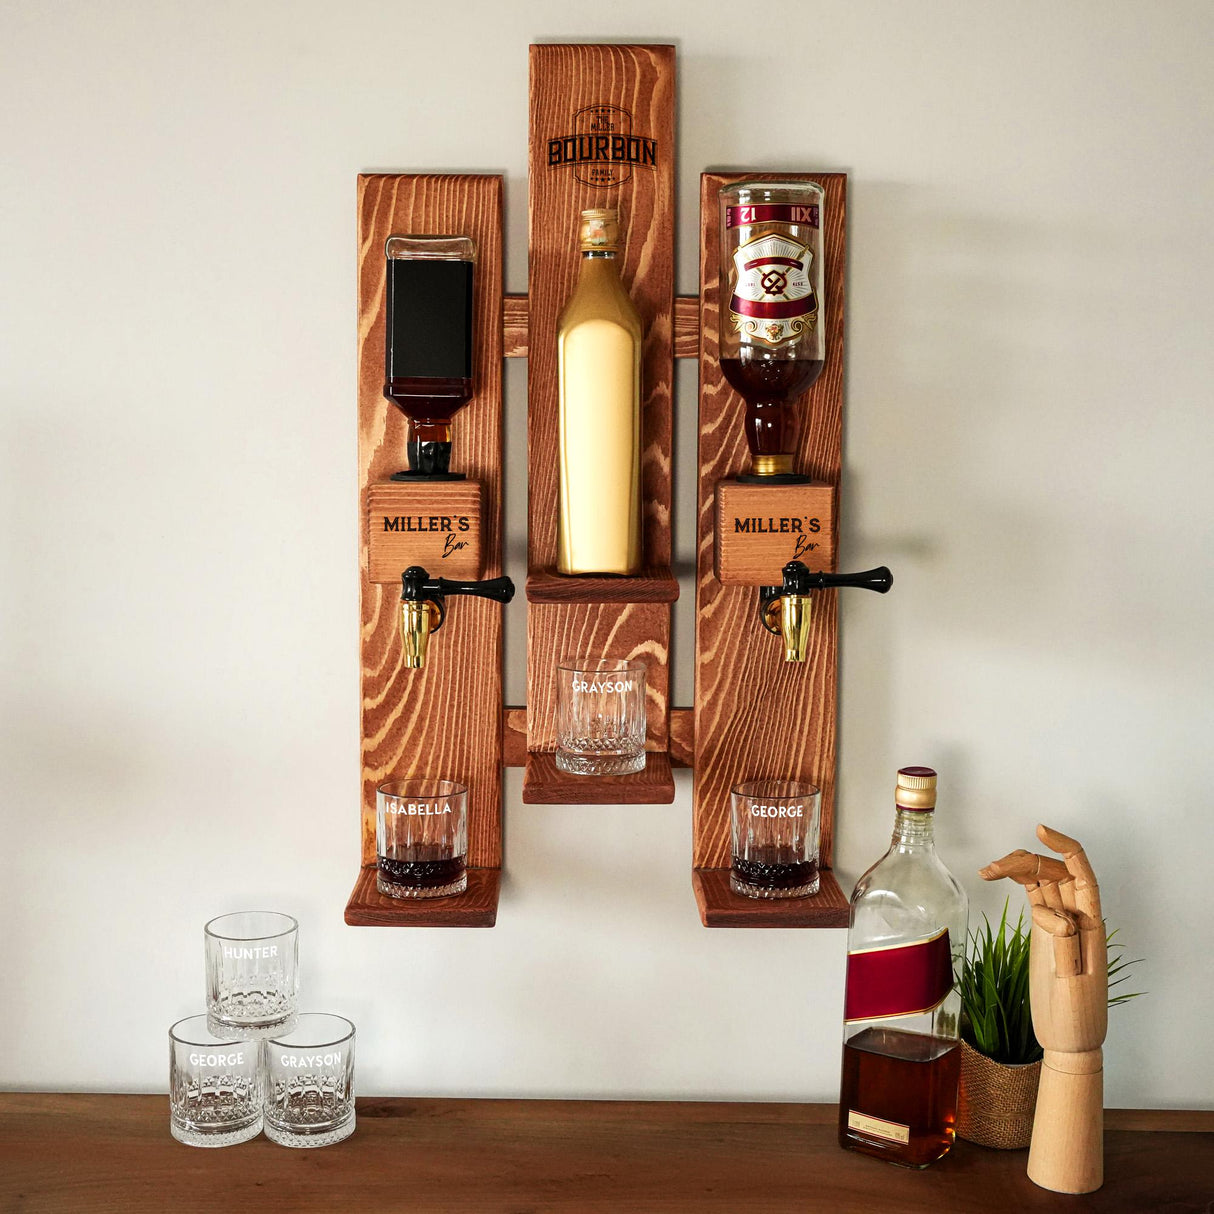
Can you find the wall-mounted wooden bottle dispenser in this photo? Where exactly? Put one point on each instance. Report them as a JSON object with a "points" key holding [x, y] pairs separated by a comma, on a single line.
{"points": [[602, 180], [442, 720]]}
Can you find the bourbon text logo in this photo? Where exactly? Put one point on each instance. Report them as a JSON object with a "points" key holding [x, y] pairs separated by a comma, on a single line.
{"points": [[601, 147]]}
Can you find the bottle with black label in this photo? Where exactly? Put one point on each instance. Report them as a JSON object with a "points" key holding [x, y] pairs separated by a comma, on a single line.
{"points": [[428, 346], [901, 1034]]}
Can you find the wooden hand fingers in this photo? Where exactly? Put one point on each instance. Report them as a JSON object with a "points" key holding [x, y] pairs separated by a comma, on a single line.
{"points": [[1087, 891], [1026, 867], [1068, 960]]}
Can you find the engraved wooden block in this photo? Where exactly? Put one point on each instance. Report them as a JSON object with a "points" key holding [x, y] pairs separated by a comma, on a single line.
{"points": [[760, 528], [436, 525]]}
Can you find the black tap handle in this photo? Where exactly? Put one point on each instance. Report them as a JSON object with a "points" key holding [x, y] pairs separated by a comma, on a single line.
{"points": [[417, 584], [799, 580], [500, 589]]}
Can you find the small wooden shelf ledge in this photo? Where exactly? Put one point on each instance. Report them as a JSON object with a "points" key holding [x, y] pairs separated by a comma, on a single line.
{"points": [[475, 907], [544, 784], [653, 585], [721, 907]]}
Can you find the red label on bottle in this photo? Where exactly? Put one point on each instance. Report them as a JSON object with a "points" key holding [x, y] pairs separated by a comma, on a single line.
{"points": [[899, 981], [772, 212]]}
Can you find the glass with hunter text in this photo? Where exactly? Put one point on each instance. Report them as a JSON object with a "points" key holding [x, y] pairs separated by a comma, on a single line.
{"points": [[252, 960]]}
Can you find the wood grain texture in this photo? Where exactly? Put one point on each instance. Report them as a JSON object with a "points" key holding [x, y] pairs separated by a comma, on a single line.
{"points": [[475, 907], [682, 737], [655, 585], [757, 715], [761, 528], [94, 1154], [443, 720], [446, 529], [556, 631], [545, 784], [686, 326], [566, 80], [720, 907], [514, 326]]}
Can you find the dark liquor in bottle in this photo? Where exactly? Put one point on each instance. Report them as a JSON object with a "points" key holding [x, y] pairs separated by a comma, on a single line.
{"points": [[912, 1079], [771, 332], [428, 349], [422, 870], [774, 870], [905, 946], [771, 388]]}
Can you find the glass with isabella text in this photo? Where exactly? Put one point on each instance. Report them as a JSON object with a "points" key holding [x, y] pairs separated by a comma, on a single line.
{"points": [[421, 833]]}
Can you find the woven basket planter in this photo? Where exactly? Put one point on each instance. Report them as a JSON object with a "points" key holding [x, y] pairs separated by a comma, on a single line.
{"points": [[995, 1102]]}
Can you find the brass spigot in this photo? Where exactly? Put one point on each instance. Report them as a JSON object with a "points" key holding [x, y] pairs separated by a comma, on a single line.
{"points": [[423, 607], [787, 610]]}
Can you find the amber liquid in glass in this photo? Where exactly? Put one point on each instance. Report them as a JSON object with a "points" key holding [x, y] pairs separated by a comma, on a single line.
{"points": [[771, 388], [908, 1080], [422, 866]]}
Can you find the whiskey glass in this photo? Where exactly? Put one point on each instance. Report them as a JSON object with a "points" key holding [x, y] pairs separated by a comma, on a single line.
{"points": [[310, 1082], [775, 831], [772, 342], [252, 966], [600, 720], [421, 838], [215, 1088], [428, 344]]}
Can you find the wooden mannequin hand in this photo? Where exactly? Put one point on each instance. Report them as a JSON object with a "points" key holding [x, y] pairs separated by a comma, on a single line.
{"points": [[1068, 966], [1069, 995]]}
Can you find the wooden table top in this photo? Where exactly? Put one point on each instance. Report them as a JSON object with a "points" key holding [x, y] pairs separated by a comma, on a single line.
{"points": [[90, 1154]]}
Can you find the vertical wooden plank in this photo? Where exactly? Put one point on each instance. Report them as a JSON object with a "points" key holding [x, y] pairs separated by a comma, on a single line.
{"points": [[755, 714], [567, 83], [601, 135], [445, 719]]}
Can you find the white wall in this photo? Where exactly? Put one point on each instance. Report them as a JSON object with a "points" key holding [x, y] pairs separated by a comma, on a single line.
{"points": [[1028, 441]]}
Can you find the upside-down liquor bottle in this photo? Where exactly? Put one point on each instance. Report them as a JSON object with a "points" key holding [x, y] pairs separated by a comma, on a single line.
{"points": [[901, 1036]]}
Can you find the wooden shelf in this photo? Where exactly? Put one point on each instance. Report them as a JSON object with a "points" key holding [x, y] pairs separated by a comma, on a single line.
{"points": [[655, 585], [544, 784], [94, 1154], [721, 907], [475, 907]]}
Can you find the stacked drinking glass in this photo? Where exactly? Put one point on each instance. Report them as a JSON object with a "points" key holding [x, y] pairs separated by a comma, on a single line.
{"points": [[255, 1062]]}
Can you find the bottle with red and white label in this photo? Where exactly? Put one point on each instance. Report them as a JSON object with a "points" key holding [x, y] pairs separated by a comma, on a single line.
{"points": [[902, 1006]]}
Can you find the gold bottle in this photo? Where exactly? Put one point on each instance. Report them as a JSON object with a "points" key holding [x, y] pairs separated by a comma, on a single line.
{"points": [[599, 368]]}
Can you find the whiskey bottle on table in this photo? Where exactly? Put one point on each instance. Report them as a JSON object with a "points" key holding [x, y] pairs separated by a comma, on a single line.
{"points": [[428, 347], [901, 1036], [599, 419]]}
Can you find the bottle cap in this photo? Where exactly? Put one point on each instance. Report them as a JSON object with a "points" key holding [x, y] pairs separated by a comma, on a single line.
{"points": [[916, 789], [599, 231]]}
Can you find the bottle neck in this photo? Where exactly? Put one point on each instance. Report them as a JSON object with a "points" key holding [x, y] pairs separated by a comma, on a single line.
{"points": [[591, 255], [913, 831]]}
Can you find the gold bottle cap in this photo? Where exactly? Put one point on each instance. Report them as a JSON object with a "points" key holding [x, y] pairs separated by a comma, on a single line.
{"points": [[599, 231], [916, 788]]}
